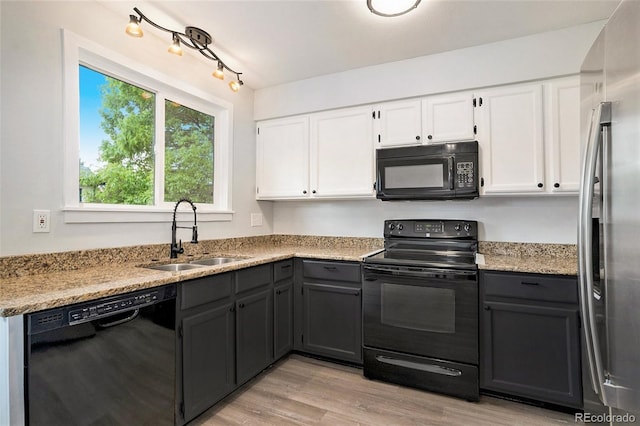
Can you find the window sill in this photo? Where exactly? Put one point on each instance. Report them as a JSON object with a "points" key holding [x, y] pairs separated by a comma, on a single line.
{"points": [[142, 214]]}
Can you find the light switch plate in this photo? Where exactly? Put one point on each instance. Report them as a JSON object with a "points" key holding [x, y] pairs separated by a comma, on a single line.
{"points": [[256, 219]]}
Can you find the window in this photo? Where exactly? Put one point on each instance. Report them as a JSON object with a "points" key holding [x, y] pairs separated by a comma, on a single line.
{"points": [[140, 143]]}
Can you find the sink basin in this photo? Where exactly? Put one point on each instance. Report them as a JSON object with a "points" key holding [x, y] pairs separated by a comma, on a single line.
{"points": [[174, 267], [216, 260]]}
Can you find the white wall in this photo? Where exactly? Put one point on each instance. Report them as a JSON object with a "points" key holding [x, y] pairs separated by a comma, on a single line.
{"points": [[31, 164], [538, 56], [522, 219], [533, 219]]}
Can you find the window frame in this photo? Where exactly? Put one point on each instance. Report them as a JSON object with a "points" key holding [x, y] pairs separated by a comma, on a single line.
{"points": [[78, 51]]}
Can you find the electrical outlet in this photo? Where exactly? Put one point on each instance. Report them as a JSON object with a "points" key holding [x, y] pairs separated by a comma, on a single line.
{"points": [[256, 219], [41, 219]]}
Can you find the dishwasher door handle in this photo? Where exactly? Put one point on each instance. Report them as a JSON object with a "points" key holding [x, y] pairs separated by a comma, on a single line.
{"points": [[131, 317]]}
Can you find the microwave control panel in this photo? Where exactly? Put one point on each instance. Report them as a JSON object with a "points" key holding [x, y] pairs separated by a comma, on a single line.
{"points": [[465, 174]]}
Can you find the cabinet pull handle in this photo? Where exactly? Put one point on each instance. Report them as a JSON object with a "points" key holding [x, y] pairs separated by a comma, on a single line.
{"points": [[487, 308], [285, 266], [330, 268], [528, 283]]}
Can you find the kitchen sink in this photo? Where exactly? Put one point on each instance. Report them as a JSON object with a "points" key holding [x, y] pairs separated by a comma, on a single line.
{"points": [[174, 267], [216, 260]]}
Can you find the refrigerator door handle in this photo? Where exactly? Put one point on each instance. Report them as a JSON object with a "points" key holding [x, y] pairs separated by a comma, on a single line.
{"points": [[600, 118]]}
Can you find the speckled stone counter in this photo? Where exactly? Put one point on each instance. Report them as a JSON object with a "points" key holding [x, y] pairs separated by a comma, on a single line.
{"points": [[560, 259], [36, 282]]}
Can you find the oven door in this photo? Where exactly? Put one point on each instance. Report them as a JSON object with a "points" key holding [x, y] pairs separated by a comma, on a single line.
{"points": [[422, 311], [420, 178]]}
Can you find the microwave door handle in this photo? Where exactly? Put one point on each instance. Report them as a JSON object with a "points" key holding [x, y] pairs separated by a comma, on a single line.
{"points": [[451, 182]]}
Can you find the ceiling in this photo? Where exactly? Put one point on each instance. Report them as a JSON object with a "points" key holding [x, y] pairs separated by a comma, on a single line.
{"points": [[273, 42]]}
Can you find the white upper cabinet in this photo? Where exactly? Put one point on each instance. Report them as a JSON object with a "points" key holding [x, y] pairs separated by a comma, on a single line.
{"points": [[398, 123], [323, 155], [510, 138], [342, 153], [562, 134], [448, 118], [282, 158]]}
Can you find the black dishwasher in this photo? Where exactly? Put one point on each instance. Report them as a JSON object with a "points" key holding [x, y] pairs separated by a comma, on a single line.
{"points": [[107, 361]]}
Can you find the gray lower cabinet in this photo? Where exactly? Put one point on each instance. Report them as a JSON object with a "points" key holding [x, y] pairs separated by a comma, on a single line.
{"points": [[283, 308], [530, 337], [254, 334], [206, 371], [208, 354], [331, 314], [282, 319], [226, 335]]}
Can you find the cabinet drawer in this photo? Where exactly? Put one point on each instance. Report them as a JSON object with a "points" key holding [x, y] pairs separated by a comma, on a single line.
{"points": [[258, 276], [282, 270], [205, 290], [530, 287], [333, 271]]}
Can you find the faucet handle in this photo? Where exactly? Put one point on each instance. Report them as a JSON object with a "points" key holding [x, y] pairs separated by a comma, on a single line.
{"points": [[194, 235], [180, 248]]}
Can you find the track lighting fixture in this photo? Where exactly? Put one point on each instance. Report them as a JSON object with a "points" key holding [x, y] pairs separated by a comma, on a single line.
{"points": [[194, 38]]}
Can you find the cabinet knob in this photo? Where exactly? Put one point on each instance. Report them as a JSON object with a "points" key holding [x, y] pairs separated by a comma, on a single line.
{"points": [[487, 308], [540, 185], [278, 292], [429, 137], [556, 185], [304, 192], [241, 305], [313, 192], [418, 138]]}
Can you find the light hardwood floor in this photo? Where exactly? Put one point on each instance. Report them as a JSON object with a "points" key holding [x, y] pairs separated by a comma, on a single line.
{"points": [[305, 391]]}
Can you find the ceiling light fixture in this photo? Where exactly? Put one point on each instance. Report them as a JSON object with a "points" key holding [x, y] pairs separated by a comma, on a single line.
{"points": [[390, 8], [194, 38]]}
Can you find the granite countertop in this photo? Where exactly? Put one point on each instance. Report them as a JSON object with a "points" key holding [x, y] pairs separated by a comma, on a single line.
{"points": [[558, 259], [31, 283], [27, 293]]}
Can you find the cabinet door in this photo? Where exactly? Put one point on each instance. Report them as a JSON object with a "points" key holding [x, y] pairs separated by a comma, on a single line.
{"points": [[398, 123], [510, 137], [342, 153], [531, 351], [563, 135], [448, 118], [283, 320], [282, 143], [332, 321], [254, 334], [208, 355]]}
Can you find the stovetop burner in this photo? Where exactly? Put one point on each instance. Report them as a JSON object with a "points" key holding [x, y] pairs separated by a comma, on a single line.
{"points": [[429, 243]]}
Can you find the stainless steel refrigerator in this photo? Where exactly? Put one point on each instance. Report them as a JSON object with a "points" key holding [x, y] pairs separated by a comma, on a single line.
{"points": [[609, 219]]}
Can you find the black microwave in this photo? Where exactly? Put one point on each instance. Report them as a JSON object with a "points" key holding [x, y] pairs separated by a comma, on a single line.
{"points": [[428, 172]]}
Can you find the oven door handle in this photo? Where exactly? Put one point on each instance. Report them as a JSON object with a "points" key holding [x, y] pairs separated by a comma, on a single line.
{"points": [[414, 272]]}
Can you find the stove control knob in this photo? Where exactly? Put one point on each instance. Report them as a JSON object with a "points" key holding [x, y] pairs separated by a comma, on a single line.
{"points": [[467, 227], [392, 226], [457, 227], [400, 227]]}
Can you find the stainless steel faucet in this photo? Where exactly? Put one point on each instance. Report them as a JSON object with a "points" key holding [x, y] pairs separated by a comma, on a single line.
{"points": [[177, 249]]}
